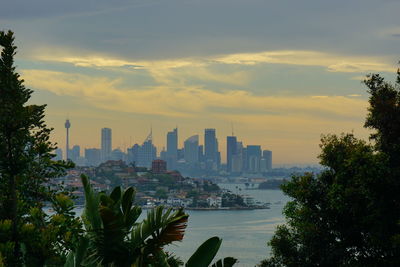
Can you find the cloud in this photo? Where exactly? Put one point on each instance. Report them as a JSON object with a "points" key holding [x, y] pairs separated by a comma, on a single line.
{"points": [[188, 101], [354, 95], [331, 62]]}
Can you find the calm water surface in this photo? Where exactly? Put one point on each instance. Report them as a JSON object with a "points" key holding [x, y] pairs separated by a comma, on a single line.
{"points": [[244, 232]]}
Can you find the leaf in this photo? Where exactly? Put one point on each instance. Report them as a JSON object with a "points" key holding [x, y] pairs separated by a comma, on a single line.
{"points": [[226, 262], [127, 200], [116, 194], [162, 227], [92, 201], [205, 253]]}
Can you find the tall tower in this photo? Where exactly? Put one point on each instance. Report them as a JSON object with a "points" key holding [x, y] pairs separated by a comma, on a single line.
{"points": [[210, 145], [172, 148], [67, 126], [191, 149], [231, 150], [106, 144]]}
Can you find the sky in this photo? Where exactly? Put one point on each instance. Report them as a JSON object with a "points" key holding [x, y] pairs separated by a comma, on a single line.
{"points": [[281, 72]]}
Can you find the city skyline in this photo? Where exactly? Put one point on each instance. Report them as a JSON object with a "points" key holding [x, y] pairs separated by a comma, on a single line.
{"points": [[265, 66], [106, 142]]}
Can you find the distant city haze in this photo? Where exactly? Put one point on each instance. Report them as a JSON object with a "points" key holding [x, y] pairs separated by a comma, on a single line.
{"points": [[282, 72], [192, 157]]}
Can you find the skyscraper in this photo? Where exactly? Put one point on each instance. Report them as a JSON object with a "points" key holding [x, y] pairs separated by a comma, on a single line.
{"points": [[172, 149], [93, 156], [58, 154], [191, 147], [106, 145], [147, 152], [253, 158], [201, 153], [210, 145], [267, 155], [75, 153], [133, 154], [231, 150], [67, 126]]}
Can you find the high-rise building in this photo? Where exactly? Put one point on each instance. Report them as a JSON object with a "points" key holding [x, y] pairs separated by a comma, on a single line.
{"points": [[191, 147], [201, 153], [75, 153], [67, 126], [210, 145], [93, 156], [147, 152], [237, 159], [133, 154], [172, 148], [231, 150], [267, 155], [117, 154], [253, 158], [106, 145], [58, 155], [217, 154], [181, 154]]}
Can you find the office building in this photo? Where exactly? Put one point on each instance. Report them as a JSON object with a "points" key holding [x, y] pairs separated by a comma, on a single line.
{"points": [[58, 155], [75, 153], [147, 152], [201, 153], [133, 154], [93, 156], [210, 145], [117, 154], [106, 145], [191, 150], [231, 150], [267, 155], [172, 148], [253, 158]]}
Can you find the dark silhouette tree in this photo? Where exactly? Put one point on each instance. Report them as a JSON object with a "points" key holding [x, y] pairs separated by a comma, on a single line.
{"points": [[26, 154], [349, 215]]}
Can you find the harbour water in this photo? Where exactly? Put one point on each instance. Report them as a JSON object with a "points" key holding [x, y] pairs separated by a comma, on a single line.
{"points": [[245, 233]]}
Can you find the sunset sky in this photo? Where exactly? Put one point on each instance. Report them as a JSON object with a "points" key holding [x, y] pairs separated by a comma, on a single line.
{"points": [[282, 72]]}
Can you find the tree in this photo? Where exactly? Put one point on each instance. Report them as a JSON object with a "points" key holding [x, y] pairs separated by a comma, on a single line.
{"points": [[26, 164], [348, 215], [113, 236]]}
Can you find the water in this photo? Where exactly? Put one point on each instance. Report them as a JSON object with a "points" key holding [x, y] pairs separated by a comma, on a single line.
{"points": [[245, 233]]}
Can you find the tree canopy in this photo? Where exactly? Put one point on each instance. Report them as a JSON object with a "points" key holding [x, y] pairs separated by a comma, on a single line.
{"points": [[27, 234], [348, 215]]}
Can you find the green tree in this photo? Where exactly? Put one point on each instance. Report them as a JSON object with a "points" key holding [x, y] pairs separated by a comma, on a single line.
{"points": [[26, 166], [113, 236], [348, 215]]}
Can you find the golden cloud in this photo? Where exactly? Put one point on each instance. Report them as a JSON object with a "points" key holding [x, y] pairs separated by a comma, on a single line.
{"points": [[188, 101], [332, 62]]}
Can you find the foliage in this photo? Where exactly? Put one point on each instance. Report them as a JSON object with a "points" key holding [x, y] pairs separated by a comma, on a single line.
{"points": [[232, 200], [26, 168], [114, 237], [348, 214], [161, 193], [272, 184], [211, 187]]}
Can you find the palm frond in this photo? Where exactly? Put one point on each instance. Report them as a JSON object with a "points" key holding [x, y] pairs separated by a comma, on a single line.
{"points": [[160, 227], [91, 213]]}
